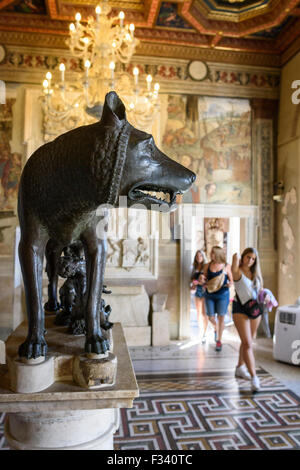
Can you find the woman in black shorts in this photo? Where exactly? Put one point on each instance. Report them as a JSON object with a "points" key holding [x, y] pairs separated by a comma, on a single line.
{"points": [[247, 282]]}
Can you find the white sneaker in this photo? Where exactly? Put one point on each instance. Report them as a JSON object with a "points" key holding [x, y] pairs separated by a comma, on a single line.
{"points": [[255, 384], [242, 372], [203, 341]]}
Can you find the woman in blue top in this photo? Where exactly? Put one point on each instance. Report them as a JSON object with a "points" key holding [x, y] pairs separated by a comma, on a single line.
{"points": [[198, 264], [217, 278]]}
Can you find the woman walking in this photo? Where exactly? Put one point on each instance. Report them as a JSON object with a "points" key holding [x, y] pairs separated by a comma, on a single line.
{"points": [[247, 282], [217, 278], [198, 265]]}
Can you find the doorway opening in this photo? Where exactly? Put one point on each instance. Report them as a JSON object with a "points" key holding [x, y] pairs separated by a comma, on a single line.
{"points": [[231, 227], [227, 233]]}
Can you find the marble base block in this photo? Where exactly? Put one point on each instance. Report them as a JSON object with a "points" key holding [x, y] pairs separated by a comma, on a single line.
{"points": [[30, 377], [130, 306], [66, 415], [62, 430], [160, 328], [138, 335]]}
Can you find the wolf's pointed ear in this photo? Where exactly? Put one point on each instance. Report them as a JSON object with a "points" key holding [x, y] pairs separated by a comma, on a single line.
{"points": [[113, 113]]}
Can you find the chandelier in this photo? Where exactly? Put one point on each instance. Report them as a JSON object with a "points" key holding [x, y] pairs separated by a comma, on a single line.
{"points": [[104, 46]]}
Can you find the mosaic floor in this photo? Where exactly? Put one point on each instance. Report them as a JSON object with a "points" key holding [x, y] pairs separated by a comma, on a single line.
{"points": [[210, 411], [190, 400], [3, 445]]}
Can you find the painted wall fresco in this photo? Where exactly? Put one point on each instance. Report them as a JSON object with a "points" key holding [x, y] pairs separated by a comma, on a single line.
{"points": [[212, 137], [10, 162], [10, 171]]}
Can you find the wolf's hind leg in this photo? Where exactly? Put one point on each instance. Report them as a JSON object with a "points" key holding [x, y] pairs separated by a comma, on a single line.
{"points": [[95, 255]]}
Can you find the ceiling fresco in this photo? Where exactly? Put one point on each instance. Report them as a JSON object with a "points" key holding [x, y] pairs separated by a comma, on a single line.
{"points": [[168, 17], [33, 7], [267, 28]]}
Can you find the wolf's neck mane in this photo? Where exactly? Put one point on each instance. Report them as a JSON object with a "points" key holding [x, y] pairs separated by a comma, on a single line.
{"points": [[108, 161]]}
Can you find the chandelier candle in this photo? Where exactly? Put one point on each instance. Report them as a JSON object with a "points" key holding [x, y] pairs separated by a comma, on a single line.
{"points": [[104, 44]]}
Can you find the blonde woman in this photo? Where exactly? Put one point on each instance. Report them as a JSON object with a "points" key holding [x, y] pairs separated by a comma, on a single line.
{"points": [[247, 282], [217, 278], [198, 265]]}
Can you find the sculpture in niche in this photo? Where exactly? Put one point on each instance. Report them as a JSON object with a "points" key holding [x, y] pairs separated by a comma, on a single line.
{"points": [[143, 253], [113, 254], [62, 185], [128, 253], [135, 253]]}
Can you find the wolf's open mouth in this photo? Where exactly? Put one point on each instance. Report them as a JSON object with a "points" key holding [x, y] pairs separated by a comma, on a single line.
{"points": [[154, 194]]}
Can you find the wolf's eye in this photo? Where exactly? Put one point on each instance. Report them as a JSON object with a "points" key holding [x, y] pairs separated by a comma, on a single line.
{"points": [[150, 150]]}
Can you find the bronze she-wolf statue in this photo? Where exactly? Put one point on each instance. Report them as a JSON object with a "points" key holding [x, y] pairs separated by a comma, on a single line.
{"points": [[62, 185]]}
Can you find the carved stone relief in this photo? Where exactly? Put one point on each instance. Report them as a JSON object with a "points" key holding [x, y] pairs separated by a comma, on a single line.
{"points": [[135, 253], [113, 252], [132, 244]]}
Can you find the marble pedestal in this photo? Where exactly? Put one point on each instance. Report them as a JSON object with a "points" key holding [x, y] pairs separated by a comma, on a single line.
{"points": [[130, 306], [160, 320], [65, 416]]}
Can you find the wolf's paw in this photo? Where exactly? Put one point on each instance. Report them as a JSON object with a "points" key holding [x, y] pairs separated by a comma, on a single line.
{"points": [[52, 306], [33, 348], [96, 344]]}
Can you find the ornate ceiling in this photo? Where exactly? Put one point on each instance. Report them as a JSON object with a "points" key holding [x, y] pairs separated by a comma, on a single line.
{"points": [[265, 31]]}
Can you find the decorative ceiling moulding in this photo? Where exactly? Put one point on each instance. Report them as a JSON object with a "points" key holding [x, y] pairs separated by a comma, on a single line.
{"points": [[19, 38], [147, 31], [202, 41], [45, 24], [68, 12], [136, 12], [204, 25], [131, 5], [147, 48], [292, 50], [207, 54], [25, 65], [234, 13], [288, 37], [249, 45], [163, 36], [52, 8]]}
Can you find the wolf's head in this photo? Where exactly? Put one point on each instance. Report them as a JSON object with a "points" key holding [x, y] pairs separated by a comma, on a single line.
{"points": [[142, 172]]}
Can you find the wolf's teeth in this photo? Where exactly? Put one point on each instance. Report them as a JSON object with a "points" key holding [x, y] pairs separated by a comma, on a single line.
{"points": [[161, 196]]}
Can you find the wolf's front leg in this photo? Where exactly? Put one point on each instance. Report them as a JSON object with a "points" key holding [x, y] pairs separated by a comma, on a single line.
{"points": [[95, 254], [31, 254]]}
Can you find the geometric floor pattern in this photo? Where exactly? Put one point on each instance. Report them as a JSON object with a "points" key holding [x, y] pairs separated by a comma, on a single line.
{"points": [[210, 411], [3, 445], [207, 411]]}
